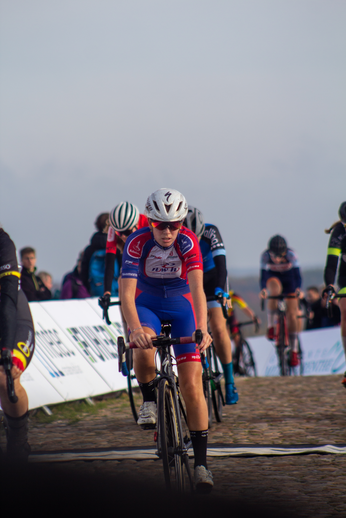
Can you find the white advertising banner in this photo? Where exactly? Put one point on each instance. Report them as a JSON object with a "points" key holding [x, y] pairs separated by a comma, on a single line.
{"points": [[39, 390], [91, 336], [322, 350], [59, 360]]}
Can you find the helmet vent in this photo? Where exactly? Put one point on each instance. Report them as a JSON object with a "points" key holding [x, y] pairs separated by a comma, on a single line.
{"points": [[179, 206], [168, 208], [156, 206]]}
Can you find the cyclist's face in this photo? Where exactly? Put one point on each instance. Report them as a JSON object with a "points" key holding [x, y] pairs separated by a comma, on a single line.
{"points": [[277, 259], [165, 237], [124, 235]]}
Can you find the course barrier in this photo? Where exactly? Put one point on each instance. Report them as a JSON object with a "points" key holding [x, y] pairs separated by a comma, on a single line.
{"points": [[76, 354]]}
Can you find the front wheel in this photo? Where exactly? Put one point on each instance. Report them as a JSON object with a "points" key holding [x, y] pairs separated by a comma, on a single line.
{"points": [[217, 396], [170, 441], [282, 351], [246, 361], [207, 387]]}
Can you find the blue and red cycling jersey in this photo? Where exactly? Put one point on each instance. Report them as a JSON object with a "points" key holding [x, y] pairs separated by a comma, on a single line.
{"points": [[158, 270], [163, 291]]}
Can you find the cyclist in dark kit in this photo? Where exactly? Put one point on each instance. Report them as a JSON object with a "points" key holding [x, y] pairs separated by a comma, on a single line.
{"points": [[336, 255], [17, 335]]}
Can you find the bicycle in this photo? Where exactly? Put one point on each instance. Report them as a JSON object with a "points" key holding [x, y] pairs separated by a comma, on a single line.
{"points": [[6, 362], [127, 367], [172, 436], [212, 376], [331, 295], [282, 344], [243, 361]]}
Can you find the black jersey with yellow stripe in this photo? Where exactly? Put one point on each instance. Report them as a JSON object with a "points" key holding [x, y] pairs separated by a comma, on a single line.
{"points": [[14, 309], [336, 250]]}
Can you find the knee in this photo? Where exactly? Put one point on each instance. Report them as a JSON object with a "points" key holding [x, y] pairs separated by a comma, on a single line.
{"points": [[220, 333], [274, 286], [192, 391]]}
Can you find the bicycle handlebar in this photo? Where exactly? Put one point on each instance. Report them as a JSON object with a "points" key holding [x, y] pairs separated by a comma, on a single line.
{"points": [[219, 300], [105, 307], [158, 341], [254, 322], [276, 297], [6, 362]]}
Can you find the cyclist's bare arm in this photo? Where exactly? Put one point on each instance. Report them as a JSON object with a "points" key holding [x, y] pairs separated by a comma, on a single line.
{"points": [[195, 278], [137, 335]]}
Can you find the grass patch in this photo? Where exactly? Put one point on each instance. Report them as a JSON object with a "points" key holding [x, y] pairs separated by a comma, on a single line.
{"points": [[75, 411]]}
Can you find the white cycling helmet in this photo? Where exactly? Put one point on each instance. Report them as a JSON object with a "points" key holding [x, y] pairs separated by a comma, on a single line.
{"points": [[124, 216], [166, 205], [194, 221]]}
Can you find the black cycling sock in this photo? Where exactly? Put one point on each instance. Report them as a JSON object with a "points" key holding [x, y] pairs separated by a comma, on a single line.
{"points": [[148, 391], [199, 442]]}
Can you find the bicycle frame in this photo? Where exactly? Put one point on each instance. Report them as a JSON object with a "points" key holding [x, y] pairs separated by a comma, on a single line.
{"points": [[282, 343]]}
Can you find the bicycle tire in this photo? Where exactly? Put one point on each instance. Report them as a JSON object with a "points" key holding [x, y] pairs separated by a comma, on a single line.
{"points": [[246, 361], [170, 441], [282, 350], [300, 355], [217, 396], [207, 389], [130, 393]]}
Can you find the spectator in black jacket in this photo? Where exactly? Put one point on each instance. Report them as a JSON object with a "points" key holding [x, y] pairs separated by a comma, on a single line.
{"points": [[317, 312], [31, 284], [98, 241]]}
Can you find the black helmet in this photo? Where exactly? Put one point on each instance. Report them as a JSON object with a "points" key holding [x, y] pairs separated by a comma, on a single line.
{"points": [[342, 212], [277, 245]]}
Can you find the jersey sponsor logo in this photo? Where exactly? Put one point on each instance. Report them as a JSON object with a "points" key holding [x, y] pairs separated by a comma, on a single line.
{"points": [[127, 274], [163, 263], [135, 246], [194, 267], [210, 233], [5, 267], [185, 243], [279, 268]]}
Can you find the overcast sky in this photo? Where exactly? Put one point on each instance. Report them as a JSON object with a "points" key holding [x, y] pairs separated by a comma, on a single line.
{"points": [[239, 104]]}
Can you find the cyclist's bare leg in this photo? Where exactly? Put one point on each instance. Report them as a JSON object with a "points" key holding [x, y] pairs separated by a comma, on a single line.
{"points": [[223, 348], [221, 339], [190, 383], [342, 307], [144, 361], [274, 288], [22, 405], [16, 417]]}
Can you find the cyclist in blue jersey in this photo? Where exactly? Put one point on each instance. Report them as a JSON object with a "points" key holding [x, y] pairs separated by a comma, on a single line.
{"points": [[162, 279], [280, 273], [214, 283]]}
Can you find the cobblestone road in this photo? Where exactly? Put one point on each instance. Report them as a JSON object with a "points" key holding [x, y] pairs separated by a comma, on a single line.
{"points": [[271, 411]]}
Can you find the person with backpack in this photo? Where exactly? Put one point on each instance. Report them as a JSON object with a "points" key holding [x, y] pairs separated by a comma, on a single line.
{"points": [[93, 262]]}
